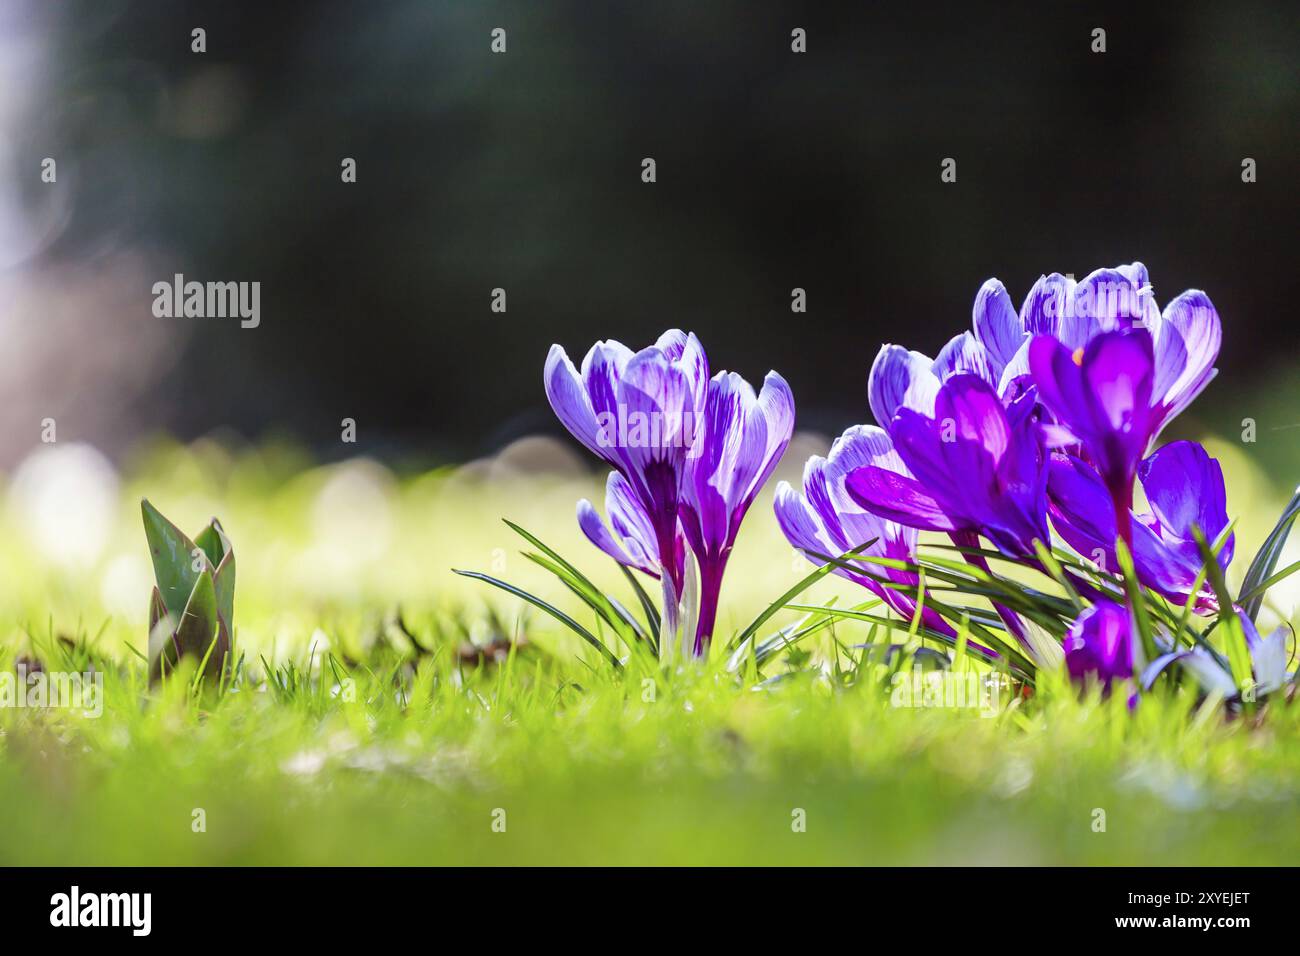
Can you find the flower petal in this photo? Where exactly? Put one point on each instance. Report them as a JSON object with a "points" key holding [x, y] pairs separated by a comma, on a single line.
{"points": [[602, 367], [629, 520], [1185, 488], [997, 325], [1017, 368], [899, 379], [1110, 299], [1046, 305], [743, 438], [977, 412], [898, 498], [1100, 643], [1187, 340], [1103, 398], [593, 527], [1118, 372], [632, 541], [800, 524], [1081, 509], [775, 409], [568, 397], [657, 398], [964, 353], [1060, 382]]}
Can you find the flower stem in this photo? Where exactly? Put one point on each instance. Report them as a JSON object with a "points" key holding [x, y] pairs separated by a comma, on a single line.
{"points": [[1121, 496], [711, 570], [669, 625]]}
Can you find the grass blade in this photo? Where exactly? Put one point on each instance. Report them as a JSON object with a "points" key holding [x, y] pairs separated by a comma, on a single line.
{"points": [[1259, 577], [555, 612]]}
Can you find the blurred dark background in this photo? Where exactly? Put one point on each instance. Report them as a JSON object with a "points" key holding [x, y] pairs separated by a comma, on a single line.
{"points": [[522, 171]]}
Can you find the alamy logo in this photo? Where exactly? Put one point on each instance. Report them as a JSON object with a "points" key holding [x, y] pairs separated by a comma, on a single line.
{"points": [[209, 300], [103, 909], [626, 428], [39, 689]]}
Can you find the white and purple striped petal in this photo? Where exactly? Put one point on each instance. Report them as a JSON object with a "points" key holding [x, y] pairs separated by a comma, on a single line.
{"points": [[826, 521], [900, 379], [997, 325], [630, 538], [1187, 340]]}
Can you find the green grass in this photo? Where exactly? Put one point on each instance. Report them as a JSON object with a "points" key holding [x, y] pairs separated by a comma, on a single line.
{"points": [[409, 765], [710, 772]]}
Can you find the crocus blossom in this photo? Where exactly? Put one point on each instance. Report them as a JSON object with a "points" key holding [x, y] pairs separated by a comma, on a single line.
{"points": [[1072, 312], [639, 412], [825, 520], [1102, 394], [997, 347], [1184, 487], [690, 454], [973, 466], [1114, 370], [630, 538], [1100, 644], [741, 438]]}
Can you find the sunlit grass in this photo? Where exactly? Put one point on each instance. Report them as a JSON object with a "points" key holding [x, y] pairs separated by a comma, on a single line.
{"points": [[358, 734]]}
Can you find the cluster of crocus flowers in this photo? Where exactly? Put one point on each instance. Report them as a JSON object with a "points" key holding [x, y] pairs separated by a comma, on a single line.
{"points": [[1043, 416], [689, 454], [1034, 422]]}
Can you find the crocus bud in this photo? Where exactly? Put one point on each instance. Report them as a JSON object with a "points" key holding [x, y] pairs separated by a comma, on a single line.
{"points": [[193, 602]]}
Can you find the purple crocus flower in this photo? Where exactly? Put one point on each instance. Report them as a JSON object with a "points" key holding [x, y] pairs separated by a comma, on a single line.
{"points": [[639, 412], [826, 520], [1102, 393], [973, 465], [1100, 643], [742, 437], [1115, 377], [1184, 487], [630, 538], [1071, 312], [997, 348]]}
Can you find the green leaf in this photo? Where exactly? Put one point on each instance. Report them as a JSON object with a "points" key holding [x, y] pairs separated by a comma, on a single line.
{"points": [[199, 632], [213, 541], [1136, 602], [1234, 637], [1010, 649], [555, 612], [1019, 664], [647, 605], [595, 599], [786, 638], [580, 582], [1282, 575], [173, 559], [1048, 561], [1259, 577], [224, 582], [157, 610]]}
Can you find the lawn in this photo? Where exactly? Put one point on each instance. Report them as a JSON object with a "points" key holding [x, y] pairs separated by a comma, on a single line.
{"points": [[390, 712]]}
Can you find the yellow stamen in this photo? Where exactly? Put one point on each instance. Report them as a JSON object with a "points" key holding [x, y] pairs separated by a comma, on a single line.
{"points": [[1078, 356]]}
